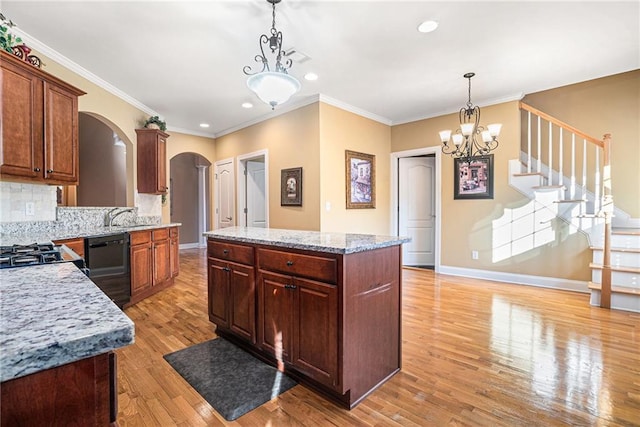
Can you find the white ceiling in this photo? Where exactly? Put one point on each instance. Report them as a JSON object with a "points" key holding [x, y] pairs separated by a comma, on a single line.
{"points": [[184, 59]]}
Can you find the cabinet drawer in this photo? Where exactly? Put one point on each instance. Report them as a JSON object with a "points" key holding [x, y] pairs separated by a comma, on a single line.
{"points": [[311, 266], [139, 237], [231, 252], [76, 245], [160, 234]]}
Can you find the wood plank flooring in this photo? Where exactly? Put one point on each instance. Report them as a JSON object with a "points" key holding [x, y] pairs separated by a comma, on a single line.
{"points": [[475, 353]]}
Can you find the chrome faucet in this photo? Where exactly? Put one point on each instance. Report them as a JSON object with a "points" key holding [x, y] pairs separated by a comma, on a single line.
{"points": [[110, 216]]}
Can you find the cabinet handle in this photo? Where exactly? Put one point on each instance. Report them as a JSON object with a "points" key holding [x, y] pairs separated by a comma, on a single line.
{"points": [[226, 251], [227, 269], [36, 169], [289, 263], [49, 170], [290, 287]]}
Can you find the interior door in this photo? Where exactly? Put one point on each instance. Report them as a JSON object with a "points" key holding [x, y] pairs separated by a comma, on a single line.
{"points": [[256, 207], [416, 216], [224, 184]]}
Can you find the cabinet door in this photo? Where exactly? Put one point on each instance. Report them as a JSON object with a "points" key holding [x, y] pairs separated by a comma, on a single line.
{"points": [[275, 314], [60, 134], [140, 268], [218, 291], [315, 340], [161, 261], [161, 159], [242, 285], [175, 256], [22, 117]]}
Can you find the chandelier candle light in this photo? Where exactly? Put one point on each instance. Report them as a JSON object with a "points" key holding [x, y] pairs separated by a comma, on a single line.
{"points": [[465, 145], [276, 86]]}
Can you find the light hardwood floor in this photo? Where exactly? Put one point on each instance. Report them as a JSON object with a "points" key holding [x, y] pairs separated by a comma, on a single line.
{"points": [[474, 353]]}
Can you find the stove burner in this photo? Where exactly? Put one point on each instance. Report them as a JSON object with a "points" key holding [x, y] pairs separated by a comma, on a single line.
{"points": [[21, 255]]}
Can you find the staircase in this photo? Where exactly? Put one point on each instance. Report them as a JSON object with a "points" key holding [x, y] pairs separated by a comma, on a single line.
{"points": [[567, 175]]}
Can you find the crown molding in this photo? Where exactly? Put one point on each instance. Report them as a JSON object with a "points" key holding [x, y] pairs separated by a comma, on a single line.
{"points": [[513, 97], [81, 71], [190, 132], [355, 110]]}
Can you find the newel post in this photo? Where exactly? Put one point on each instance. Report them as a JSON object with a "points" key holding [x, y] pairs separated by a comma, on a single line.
{"points": [[607, 210]]}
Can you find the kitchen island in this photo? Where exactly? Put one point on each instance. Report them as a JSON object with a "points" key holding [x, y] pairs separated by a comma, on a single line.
{"points": [[324, 307], [57, 334]]}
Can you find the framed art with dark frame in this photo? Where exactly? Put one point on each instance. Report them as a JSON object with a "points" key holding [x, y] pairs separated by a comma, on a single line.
{"points": [[360, 180], [291, 187], [473, 179]]}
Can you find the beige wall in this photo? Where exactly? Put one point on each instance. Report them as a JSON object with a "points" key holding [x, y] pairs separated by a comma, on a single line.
{"points": [[468, 225], [341, 130], [292, 140], [607, 105]]}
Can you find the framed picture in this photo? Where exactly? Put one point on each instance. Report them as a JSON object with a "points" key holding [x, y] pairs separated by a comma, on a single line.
{"points": [[474, 179], [291, 187], [360, 180]]}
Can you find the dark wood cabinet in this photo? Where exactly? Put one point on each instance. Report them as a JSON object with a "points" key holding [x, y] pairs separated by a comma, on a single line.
{"points": [[78, 393], [152, 161], [140, 262], [174, 254], [39, 125], [153, 261], [232, 290], [297, 323], [330, 320]]}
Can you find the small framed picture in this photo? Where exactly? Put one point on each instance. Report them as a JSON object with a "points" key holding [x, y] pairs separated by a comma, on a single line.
{"points": [[291, 187], [473, 179], [360, 180]]}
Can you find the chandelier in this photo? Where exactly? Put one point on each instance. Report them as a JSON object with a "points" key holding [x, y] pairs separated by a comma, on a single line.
{"points": [[273, 86], [465, 139]]}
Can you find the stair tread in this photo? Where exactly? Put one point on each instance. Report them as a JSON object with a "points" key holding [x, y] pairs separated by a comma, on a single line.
{"points": [[616, 289], [544, 187], [626, 231], [625, 269], [528, 174], [616, 249]]}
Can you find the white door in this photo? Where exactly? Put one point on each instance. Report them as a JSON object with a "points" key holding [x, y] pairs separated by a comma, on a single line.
{"points": [[416, 216], [224, 190], [256, 207]]}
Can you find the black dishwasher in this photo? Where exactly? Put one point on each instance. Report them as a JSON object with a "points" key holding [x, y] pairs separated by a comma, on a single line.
{"points": [[107, 258]]}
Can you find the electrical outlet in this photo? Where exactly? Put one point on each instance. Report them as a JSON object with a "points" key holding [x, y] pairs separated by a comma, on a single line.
{"points": [[327, 206], [30, 209], [474, 254]]}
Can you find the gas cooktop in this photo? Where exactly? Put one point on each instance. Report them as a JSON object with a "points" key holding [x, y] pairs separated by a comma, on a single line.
{"points": [[36, 253]]}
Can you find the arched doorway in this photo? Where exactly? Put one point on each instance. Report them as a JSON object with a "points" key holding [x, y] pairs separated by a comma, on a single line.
{"points": [[189, 197]]}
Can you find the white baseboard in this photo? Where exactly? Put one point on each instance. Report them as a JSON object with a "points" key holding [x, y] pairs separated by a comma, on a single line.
{"points": [[518, 279], [195, 245]]}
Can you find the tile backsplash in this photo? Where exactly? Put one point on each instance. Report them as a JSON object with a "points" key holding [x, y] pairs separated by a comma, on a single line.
{"points": [[27, 202]]}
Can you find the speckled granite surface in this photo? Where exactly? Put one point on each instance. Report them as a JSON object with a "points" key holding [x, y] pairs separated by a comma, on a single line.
{"points": [[48, 232], [339, 243], [53, 314]]}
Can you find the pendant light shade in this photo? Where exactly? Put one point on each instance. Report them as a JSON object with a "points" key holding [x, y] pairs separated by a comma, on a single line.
{"points": [[273, 88]]}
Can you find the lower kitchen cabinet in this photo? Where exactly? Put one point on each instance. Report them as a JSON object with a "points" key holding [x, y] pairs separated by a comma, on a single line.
{"points": [[297, 324], [231, 292], [153, 262], [76, 245], [174, 255], [330, 320]]}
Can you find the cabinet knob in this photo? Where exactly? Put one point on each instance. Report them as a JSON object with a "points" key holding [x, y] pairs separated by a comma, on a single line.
{"points": [[49, 170], [226, 251], [289, 263], [36, 169]]}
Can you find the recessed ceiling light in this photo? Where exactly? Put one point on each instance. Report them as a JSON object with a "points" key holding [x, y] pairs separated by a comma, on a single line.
{"points": [[311, 77], [247, 105], [204, 125], [428, 26]]}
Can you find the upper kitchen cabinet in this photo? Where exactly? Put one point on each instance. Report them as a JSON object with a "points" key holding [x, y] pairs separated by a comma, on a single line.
{"points": [[39, 136], [152, 161]]}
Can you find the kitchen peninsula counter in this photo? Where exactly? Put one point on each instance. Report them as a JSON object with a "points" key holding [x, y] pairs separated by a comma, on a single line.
{"points": [[57, 336], [326, 306]]}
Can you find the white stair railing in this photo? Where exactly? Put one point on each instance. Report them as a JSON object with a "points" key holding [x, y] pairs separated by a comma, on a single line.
{"points": [[594, 175]]}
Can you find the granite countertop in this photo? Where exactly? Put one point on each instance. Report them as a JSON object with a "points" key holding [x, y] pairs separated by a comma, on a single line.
{"points": [[60, 233], [338, 243], [52, 314]]}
